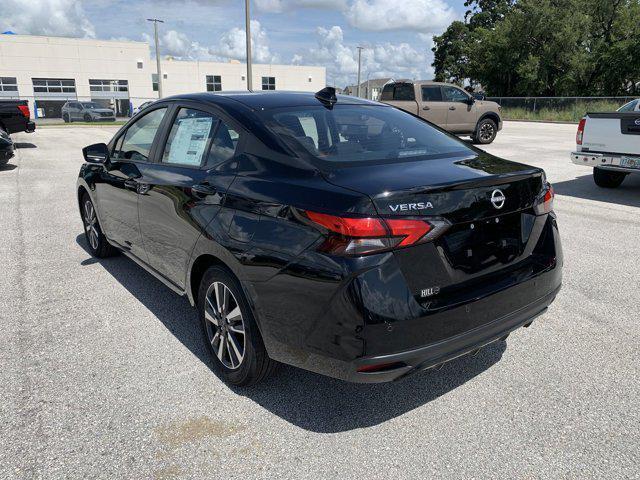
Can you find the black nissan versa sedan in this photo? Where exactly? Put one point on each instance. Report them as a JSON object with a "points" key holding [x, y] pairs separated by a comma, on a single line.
{"points": [[327, 232]]}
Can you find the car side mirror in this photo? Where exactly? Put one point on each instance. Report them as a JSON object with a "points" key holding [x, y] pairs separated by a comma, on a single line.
{"points": [[96, 153], [470, 101]]}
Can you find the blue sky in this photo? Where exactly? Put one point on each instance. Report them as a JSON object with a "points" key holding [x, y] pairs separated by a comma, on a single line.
{"points": [[396, 34]]}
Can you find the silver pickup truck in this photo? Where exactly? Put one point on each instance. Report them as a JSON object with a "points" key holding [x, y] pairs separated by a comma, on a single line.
{"points": [[610, 144]]}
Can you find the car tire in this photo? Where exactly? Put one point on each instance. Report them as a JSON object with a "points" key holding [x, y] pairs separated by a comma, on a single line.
{"points": [[230, 331], [66, 118], [607, 178], [87, 118], [97, 242], [486, 132]]}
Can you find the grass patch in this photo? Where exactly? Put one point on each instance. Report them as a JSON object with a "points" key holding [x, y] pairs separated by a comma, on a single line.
{"points": [[571, 113]]}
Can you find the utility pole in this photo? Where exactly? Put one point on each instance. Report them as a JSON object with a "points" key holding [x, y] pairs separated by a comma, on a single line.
{"points": [[159, 72], [248, 30], [359, 65]]}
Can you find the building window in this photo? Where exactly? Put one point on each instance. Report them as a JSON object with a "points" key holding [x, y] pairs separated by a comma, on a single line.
{"points": [[8, 84], [214, 83], [154, 81], [268, 83], [140, 65], [109, 85], [53, 85]]}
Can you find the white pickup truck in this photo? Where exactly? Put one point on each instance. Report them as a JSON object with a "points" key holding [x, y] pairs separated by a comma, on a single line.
{"points": [[610, 143]]}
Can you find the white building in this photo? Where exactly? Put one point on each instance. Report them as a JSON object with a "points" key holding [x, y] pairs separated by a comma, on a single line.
{"points": [[48, 71]]}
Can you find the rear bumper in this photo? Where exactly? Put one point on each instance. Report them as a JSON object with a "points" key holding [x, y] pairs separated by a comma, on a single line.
{"points": [[31, 127], [411, 361], [606, 161]]}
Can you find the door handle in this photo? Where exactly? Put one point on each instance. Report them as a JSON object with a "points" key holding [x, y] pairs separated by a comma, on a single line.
{"points": [[452, 108], [204, 189], [426, 107]]}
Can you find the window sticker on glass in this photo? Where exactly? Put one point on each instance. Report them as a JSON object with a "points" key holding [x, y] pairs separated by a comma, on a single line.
{"points": [[190, 140]]}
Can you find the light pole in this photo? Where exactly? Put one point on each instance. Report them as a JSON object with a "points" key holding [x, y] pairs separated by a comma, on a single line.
{"points": [[359, 65], [248, 30], [159, 72]]}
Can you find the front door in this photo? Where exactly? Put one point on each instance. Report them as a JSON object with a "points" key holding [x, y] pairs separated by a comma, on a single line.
{"points": [[186, 187], [119, 187], [461, 115]]}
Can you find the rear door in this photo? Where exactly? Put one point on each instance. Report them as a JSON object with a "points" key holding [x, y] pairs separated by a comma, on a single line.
{"points": [[461, 116], [186, 186], [432, 106]]}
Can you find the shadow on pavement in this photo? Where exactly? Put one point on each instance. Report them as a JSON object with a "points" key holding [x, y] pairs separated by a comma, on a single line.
{"points": [[7, 167], [305, 399], [24, 145], [584, 187]]}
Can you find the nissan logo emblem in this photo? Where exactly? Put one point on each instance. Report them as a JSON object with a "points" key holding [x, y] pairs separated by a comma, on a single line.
{"points": [[498, 199], [637, 122]]}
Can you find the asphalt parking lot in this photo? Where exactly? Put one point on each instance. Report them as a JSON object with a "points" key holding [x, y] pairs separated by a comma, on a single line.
{"points": [[104, 373]]}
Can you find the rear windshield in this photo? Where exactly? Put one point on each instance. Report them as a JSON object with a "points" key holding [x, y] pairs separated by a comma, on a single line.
{"points": [[360, 133]]}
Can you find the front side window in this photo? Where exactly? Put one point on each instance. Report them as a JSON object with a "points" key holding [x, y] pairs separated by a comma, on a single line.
{"points": [[214, 83], [359, 133], [138, 139], [268, 83], [431, 94], [452, 94], [190, 138]]}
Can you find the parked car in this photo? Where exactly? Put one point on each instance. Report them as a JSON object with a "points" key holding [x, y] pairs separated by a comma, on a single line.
{"points": [[328, 232], [6, 148], [632, 106], [610, 144], [447, 106], [142, 106], [86, 112], [15, 117]]}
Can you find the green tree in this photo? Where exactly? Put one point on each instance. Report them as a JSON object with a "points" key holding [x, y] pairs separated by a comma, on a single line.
{"points": [[544, 47]]}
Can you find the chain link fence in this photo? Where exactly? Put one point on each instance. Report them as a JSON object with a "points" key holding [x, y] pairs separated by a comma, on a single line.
{"points": [[560, 109]]}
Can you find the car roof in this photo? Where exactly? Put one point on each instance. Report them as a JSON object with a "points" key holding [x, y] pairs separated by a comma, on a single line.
{"points": [[267, 100]]}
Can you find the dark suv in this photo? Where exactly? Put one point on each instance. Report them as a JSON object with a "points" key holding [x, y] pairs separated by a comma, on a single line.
{"points": [[339, 235]]}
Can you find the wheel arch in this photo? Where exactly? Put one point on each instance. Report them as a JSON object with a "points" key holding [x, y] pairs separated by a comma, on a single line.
{"points": [[492, 115]]}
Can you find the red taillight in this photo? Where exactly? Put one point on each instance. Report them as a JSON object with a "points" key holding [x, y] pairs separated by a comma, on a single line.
{"points": [[580, 133], [545, 201], [350, 227], [360, 236], [25, 111]]}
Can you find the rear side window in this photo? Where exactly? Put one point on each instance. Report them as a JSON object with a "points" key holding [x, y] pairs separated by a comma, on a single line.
{"points": [[431, 93], [453, 94], [190, 138], [359, 133], [224, 145], [404, 92], [137, 140]]}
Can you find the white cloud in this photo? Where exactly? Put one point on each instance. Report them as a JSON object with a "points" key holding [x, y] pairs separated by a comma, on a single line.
{"points": [[231, 45], [397, 60], [278, 6], [45, 17], [418, 15]]}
